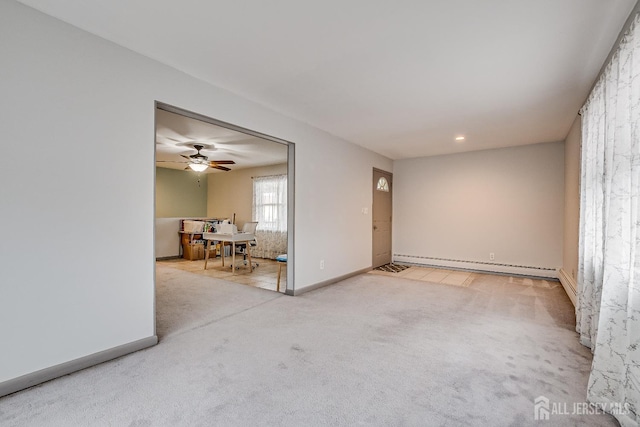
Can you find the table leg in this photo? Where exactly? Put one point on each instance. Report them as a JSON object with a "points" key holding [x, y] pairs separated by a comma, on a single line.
{"points": [[249, 256], [206, 253], [233, 257], [222, 252]]}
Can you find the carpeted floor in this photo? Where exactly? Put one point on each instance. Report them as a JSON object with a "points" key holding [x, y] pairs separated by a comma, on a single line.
{"points": [[371, 350]]}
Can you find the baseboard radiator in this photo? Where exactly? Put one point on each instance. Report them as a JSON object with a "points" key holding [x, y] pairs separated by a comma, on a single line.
{"points": [[489, 267], [570, 286]]}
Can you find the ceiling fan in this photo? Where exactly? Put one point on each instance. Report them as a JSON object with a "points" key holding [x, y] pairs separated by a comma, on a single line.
{"points": [[199, 162]]}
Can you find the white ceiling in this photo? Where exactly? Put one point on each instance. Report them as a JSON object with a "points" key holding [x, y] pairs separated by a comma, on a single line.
{"points": [[402, 78], [177, 134]]}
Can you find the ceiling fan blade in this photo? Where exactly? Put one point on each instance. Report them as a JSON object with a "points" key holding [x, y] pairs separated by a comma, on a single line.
{"points": [[222, 168], [223, 162], [186, 157]]}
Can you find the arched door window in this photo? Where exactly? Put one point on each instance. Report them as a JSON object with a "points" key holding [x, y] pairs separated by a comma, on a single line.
{"points": [[383, 184]]}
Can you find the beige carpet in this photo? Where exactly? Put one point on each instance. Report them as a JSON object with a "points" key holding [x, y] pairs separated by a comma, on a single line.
{"points": [[371, 350]]}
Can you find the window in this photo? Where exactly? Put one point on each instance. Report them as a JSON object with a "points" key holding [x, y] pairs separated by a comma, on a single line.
{"points": [[383, 184], [270, 202]]}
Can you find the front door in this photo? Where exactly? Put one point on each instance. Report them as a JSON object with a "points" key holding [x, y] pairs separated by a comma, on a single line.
{"points": [[381, 215]]}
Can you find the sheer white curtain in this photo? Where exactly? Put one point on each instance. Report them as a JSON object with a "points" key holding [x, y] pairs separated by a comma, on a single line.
{"points": [[608, 309], [270, 210]]}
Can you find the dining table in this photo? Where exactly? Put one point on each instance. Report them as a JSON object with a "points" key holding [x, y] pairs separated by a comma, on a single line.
{"points": [[232, 239]]}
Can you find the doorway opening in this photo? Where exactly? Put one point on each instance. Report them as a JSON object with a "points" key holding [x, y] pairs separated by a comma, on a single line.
{"points": [[213, 177]]}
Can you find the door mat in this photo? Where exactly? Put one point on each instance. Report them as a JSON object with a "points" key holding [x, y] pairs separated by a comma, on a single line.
{"points": [[392, 268]]}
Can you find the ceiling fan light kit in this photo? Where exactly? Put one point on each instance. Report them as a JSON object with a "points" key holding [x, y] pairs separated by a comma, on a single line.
{"points": [[198, 167], [199, 163]]}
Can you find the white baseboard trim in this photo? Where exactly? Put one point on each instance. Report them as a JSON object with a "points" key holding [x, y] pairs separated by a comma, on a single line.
{"points": [[47, 374], [520, 270], [570, 286], [329, 282]]}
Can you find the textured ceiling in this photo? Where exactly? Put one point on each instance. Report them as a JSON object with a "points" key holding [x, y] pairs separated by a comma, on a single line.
{"points": [[177, 134], [402, 78]]}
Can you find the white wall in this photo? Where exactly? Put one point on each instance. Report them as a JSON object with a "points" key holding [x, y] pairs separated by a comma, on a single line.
{"points": [[167, 237], [69, 96], [464, 206]]}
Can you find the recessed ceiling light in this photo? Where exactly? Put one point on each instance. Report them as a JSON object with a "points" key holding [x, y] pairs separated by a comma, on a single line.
{"points": [[459, 138]]}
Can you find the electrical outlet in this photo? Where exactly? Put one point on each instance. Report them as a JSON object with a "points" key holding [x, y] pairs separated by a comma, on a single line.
{"points": [[492, 256], [321, 264]]}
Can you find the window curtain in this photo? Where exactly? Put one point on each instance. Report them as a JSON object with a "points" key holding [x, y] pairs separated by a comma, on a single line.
{"points": [[270, 210], [608, 309]]}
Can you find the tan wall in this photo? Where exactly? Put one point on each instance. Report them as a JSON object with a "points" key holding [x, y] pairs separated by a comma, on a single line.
{"points": [[464, 206], [571, 199], [232, 192]]}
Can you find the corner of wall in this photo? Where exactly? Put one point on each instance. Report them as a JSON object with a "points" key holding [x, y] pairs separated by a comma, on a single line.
{"points": [[569, 285], [571, 232]]}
